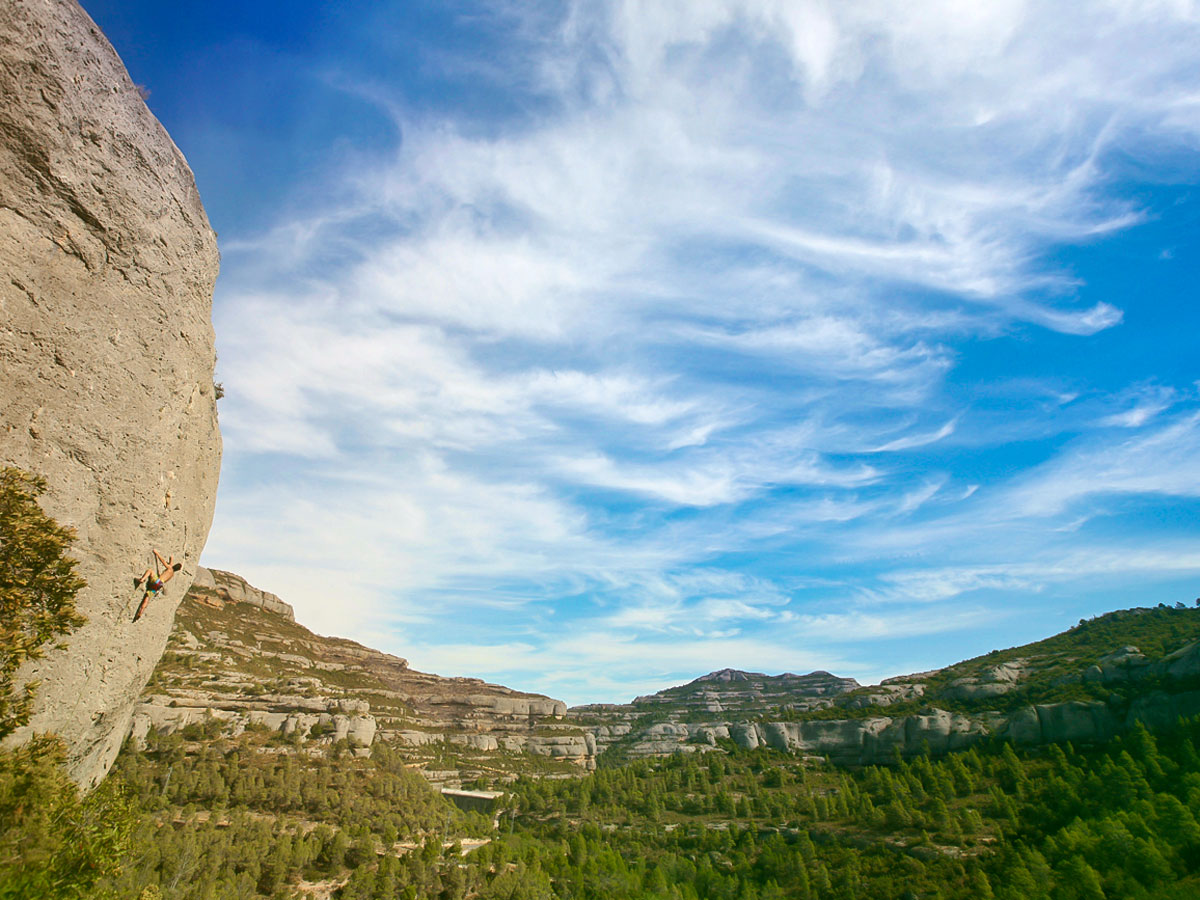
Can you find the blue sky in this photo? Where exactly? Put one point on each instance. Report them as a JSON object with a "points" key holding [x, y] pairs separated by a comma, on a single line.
{"points": [[591, 347]]}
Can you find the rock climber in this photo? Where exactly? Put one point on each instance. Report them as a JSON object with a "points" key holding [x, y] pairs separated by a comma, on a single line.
{"points": [[155, 582]]}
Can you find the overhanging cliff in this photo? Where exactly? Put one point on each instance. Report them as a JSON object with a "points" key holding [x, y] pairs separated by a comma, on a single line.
{"points": [[107, 265]]}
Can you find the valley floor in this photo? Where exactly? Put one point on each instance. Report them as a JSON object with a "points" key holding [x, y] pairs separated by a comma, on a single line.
{"points": [[223, 818]]}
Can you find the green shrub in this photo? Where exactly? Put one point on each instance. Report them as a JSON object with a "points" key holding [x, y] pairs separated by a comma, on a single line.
{"points": [[54, 843], [38, 585]]}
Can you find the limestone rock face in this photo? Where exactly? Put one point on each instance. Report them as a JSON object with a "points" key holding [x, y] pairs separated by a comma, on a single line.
{"points": [[886, 695], [225, 587], [106, 346], [1184, 662]]}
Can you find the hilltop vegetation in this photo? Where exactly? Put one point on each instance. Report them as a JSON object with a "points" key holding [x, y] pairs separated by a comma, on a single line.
{"points": [[1050, 671]]}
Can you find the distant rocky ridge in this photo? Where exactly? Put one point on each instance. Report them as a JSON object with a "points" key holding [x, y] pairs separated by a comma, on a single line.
{"points": [[704, 710], [236, 659], [939, 711], [698, 714], [108, 264], [729, 689]]}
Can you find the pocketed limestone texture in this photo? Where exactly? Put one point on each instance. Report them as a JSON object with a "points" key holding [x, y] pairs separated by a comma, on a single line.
{"points": [[107, 264]]}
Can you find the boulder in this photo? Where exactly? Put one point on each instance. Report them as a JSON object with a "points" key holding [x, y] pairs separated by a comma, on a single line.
{"points": [[1184, 662], [566, 746], [1023, 727], [941, 731], [1123, 664], [416, 738], [488, 743], [744, 735], [991, 682], [358, 730], [301, 723], [262, 718], [888, 694], [841, 739], [517, 704], [107, 354]]}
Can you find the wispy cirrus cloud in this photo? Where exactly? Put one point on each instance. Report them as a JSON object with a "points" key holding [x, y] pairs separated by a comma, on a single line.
{"points": [[728, 288]]}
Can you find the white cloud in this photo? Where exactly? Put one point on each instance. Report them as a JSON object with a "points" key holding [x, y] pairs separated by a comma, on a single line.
{"points": [[659, 320], [1142, 404], [1165, 462], [911, 441]]}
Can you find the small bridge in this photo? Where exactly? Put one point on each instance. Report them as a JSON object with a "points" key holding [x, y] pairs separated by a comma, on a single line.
{"points": [[484, 802]]}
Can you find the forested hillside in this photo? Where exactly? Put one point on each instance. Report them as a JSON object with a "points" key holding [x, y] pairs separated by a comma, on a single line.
{"points": [[1060, 823]]}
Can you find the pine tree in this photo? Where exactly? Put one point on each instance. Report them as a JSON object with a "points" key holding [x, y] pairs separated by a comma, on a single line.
{"points": [[981, 886], [1079, 881]]}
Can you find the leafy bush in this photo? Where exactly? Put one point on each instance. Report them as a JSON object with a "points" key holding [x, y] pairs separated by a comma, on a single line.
{"points": [[38, 585], [54, 842]]}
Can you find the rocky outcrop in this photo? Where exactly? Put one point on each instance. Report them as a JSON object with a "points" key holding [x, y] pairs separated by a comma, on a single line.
{"points": [[107, 264], [215, 586], [875, 739], [1183, 663], [886, 694], [705, 710], [732, 690], [733, 686], [167, 717], [991, 682], [1075, 720]]}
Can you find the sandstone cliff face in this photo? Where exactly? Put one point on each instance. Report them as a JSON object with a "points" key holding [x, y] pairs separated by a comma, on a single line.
{"points": [[107, 264]]}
